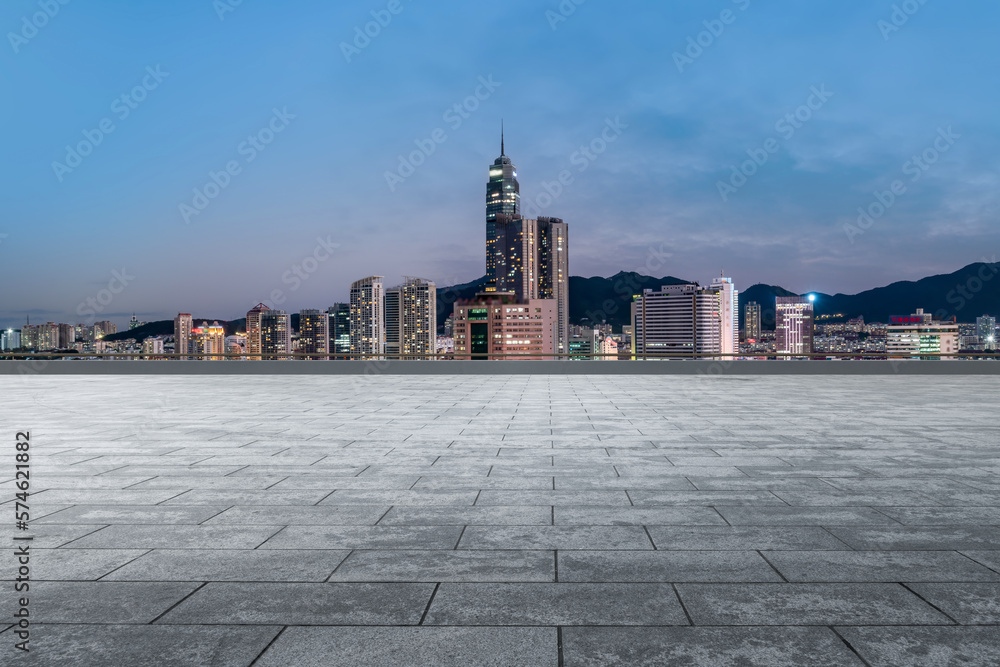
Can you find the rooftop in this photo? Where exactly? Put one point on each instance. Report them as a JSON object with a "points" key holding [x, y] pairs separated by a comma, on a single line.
{"points": [[526, 521]]}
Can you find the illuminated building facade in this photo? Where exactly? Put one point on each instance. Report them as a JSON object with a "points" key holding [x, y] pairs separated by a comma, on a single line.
{"points": [[497, 325]]}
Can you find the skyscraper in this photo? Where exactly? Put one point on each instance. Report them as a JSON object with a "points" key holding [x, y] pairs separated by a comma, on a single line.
{"points": [[729, 314], [182, 334], [986, 329], [751, 321], [275, 334], [253, 330], [340, 328], [532, 261], [503, 198], [133, 323], [411, 318], [368, 316], [314, 333], [793, 325], [686, 319]]}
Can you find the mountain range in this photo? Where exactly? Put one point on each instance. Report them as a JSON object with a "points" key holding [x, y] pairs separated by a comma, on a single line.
{"points": [[965, 294]]}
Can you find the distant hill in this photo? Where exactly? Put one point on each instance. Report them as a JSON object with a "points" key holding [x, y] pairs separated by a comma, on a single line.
{"points": [[965, 294]]}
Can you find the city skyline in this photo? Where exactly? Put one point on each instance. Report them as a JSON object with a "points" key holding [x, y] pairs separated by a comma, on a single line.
{"points": [[318, 185]]}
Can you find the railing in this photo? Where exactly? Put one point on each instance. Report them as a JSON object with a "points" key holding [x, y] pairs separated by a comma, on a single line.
{"points": [[465, 356]]}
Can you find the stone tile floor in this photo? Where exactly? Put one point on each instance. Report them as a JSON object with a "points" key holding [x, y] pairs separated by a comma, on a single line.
{"points": [[507, 521]]}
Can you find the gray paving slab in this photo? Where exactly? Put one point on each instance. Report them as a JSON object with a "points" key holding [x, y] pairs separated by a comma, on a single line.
{"points": [[742, 538], [83, 645], [325, 515], [131, 514], [479, 515], [365, 537], [312, 565], [943, 516], [71, 564], [390, 647], [806, 604], [967, 603], [925, 646], [805, 516], [925, 538], [877, 566], [440, 566], [647, 498], [99, 601], [303, 604], [637, 516], [555, 537], [177, 537], [228, 497], [663, 566], [706, 647], [555, 604]]}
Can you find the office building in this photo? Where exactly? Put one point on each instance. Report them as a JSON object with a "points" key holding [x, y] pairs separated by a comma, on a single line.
{"points": [[11, 339], [751, 321], [686, 320], [532, 262], [340, 328], [585, 344], [368, 317], [182, 334], [410, 319], [503, 198], [609, 348], [920, 336], [986, 329], [275, 335], [794, 326], [496, 325], [314, 333]]}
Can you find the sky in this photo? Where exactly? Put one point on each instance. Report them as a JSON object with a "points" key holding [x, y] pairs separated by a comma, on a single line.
{"points": [[202, 156]]}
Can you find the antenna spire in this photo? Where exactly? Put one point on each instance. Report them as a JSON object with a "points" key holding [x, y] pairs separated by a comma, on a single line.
{"points": [[501, 138]]}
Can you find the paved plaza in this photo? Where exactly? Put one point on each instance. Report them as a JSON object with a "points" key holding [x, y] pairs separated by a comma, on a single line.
{"points": [[506, 521]]}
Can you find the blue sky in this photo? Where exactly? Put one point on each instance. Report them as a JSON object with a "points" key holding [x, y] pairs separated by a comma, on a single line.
{"points": [[651, 199]]}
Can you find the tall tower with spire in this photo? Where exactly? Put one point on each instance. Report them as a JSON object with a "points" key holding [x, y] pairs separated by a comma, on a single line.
{"points": [[503, 198]]}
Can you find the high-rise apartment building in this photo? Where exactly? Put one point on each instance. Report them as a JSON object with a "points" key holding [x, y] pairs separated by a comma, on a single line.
{"points": [[314, 333], [411, 318], [794, 325], [751, 321], [48, 336], [67, 336], [104, 328], [532, 262], [496, 325], [340, 328], [152, 345], [253, 331], [986, 329], [503, 198], [686, 319], [275, 334], [368, 317], [182, 334], [29, 337], [921, 336]]}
